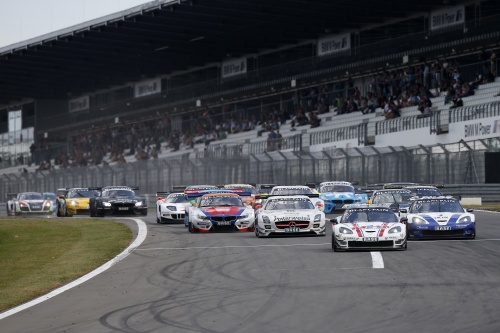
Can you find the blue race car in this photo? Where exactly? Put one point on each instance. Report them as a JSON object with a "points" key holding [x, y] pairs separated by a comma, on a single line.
{"points": [[439, 217], [336, 194]]}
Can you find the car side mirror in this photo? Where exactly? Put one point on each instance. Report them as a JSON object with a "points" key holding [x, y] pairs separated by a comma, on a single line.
{"points": [[470, 210], [334, 221], [159, 198], [403, 220], [258, 206], [403, 210]]}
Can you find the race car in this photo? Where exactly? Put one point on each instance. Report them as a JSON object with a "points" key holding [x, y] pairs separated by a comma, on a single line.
{"points": [[219, 212], [336, 194], [238, 188], [371, 227], [193, 190], [74, 201], [29, 203], [439, 217], [114, 200], [170, 206], [424, 191], [298, 190], [396, 199], [289, 215], [52, 197]]}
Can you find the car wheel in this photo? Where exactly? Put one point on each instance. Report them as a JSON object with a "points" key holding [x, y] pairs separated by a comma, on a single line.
{"points": [[334, 246], [405, 247], [92, 210], [190, 227], [58, 213], [67, 214]]}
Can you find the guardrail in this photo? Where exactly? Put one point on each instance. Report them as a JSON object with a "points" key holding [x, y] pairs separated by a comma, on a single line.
{"points": [[401, 124]]}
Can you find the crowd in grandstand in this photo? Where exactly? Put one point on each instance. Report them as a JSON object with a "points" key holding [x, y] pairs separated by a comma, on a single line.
{"points": [[389, 90]]}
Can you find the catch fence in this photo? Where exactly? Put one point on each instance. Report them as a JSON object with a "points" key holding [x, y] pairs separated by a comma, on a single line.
{"points": [[458, 163]]}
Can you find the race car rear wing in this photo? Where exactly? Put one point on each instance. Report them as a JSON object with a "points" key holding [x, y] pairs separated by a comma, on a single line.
{"points": [[267, 196]]}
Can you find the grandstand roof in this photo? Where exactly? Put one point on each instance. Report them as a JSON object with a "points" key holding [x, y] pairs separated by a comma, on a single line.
{"points": [[164, 37]]}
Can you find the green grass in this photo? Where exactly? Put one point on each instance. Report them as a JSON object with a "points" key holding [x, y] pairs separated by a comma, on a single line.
{"points": [[39, 255], [495, 207]]}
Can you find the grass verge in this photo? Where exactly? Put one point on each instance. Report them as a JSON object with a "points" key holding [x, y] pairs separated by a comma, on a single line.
{"points": [[39, 255]]}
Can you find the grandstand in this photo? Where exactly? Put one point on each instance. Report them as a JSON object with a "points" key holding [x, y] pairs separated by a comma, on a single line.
{"points": [[108, 117]]}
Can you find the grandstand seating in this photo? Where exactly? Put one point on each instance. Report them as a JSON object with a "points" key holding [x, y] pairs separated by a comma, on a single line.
{"points": [[483, 95]]}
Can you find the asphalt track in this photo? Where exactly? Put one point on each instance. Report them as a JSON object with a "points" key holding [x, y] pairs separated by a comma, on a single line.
{"points": [[234, 282]]}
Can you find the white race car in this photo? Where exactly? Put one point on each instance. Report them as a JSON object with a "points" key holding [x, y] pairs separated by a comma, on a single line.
{"points": [[30, 203], [299, 190], [364, 227], [290, 215], [170, 208]]}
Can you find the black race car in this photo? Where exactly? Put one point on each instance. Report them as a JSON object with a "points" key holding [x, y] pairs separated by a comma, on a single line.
{"points": [[117, 200]]}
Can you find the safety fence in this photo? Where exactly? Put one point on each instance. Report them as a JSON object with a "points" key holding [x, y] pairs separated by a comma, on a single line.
{"points": [[458, 163]]}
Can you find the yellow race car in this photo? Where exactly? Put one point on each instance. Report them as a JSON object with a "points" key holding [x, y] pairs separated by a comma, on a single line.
{"points": [[74, 201]]}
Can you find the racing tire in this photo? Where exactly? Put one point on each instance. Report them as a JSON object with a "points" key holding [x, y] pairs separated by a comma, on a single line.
{"points": [[334, 246], [158, 219], [92, 211], [190, 227], [58, 214], [67, 214], [404, 248]]}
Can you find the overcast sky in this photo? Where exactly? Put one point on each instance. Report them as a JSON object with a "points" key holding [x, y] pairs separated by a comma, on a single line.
{"points": [[24, 19]]}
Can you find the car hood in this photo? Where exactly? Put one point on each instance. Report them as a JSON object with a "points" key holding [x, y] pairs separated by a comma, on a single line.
{"points": [[337, 195], [290, 215], [222, 210], [442, 218]]}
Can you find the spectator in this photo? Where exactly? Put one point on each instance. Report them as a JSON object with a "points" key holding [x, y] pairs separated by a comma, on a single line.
{"points": [[457, 102], [279, 140], [314, 120]]}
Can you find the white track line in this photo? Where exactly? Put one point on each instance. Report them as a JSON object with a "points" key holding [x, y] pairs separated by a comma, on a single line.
{"points": [[141, 236], [228, 247], [377, 260]]}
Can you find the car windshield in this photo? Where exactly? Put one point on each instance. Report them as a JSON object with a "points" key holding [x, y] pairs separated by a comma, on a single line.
{"points": [[221, 201], [291, 190], [289, 204], [265, 190], [118, 193], [336, 188], [82, 194], [177, 199], [367, 215], [391, 197], [427, 192], [243, 189], [31, 196], [436, 206], [50, 196]]}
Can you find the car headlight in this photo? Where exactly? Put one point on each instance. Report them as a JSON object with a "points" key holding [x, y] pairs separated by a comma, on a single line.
{"points": [[73, 203], [265, 219], [465, 219], [48, 204], [418, 220], [106, 204], [138, 203], [395, 230], [317, 218], [172, 208], [344, 230], [202, 217]]}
